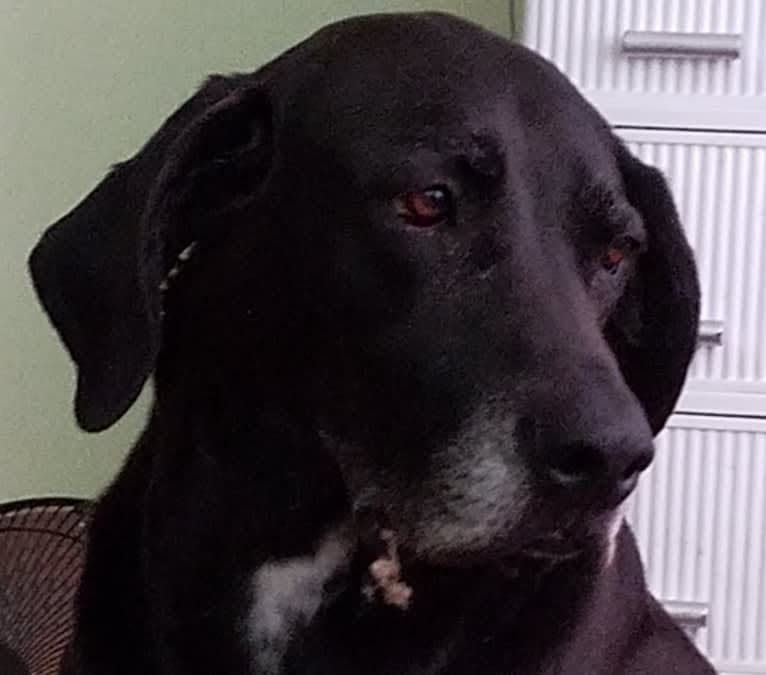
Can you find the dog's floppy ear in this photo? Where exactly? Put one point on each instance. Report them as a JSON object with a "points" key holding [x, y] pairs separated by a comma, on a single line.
{"points": [[653, 332], [98, 270]]}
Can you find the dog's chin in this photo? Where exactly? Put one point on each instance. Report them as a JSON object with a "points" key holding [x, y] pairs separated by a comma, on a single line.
{"points": [[504, 550], [545, 540]]}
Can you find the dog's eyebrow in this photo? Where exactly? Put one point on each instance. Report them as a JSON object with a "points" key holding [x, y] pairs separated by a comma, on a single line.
{"points": [[484, 155], [624, 221], [620, 222], [608, 215], [636, 230]]}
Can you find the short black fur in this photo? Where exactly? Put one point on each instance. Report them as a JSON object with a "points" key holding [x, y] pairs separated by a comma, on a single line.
{"points": [[486, 388]]}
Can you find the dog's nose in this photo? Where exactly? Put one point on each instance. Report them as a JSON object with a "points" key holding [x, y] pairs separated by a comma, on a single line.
{"points": [[602, 472], [599, 466]]}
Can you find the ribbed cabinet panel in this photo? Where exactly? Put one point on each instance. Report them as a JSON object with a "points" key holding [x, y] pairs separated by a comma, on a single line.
{"points": [[699, 515], [583, 37]]}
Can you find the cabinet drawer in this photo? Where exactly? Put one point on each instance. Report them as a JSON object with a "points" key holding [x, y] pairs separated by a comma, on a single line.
{"points": [[699, 515], [706, 49], [718, 182]]}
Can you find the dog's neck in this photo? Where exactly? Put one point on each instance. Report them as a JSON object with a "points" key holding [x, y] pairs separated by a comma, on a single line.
{"points": [[309, 614], [288, 594]]}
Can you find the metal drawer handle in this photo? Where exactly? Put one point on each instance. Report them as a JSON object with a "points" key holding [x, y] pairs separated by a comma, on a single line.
{"points": [[710, 333], [681, 45], [691, 616]]}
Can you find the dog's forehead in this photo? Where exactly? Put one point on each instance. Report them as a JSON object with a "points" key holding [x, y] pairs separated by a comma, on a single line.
{"points": [[402, 49], [400, 76]]}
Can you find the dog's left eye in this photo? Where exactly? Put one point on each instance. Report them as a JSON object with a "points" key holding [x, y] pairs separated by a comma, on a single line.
{"points": [[613, 258], [425, 208], [616, 253]]}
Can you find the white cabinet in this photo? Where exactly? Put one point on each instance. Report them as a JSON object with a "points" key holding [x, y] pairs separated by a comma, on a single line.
{"points": [[725, 88], [699, 515], [684, 83]]}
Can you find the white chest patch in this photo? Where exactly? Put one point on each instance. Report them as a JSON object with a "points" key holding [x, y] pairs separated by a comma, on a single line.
{"points": [[286, 596]]}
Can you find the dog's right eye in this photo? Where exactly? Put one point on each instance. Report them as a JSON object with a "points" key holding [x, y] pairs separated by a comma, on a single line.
{"points": [[425, 208]]}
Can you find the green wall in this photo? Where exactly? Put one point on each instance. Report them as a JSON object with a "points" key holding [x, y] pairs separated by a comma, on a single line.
{"points": [[82, 85]]}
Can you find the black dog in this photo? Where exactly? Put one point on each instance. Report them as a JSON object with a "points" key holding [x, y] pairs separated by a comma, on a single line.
{"points": [[414, 315]]}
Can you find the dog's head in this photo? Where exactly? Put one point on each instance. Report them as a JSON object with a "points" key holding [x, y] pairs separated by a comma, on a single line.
{"points": [[421, 238]]}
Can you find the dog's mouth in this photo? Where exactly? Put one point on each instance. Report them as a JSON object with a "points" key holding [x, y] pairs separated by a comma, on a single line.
{"points": [[558, 536], [557, 546], [394, 580], [393, 572]]}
